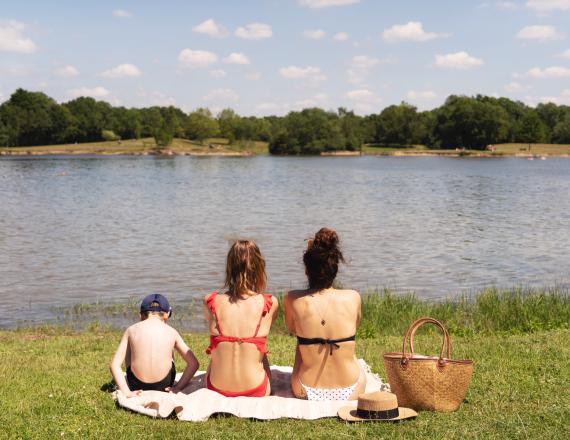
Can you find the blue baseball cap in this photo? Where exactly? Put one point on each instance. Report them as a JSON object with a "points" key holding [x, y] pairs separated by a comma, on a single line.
{"points": [[163, 306]]}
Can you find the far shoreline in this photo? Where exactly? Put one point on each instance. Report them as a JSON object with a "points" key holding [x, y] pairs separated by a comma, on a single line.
{"points": [[218, 147]]}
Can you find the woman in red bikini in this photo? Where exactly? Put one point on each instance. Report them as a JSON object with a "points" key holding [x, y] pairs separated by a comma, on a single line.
{"points": [[239, 321]]}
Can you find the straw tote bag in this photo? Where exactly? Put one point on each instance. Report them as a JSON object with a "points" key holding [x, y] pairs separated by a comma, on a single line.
{"points": [[428, 382]]}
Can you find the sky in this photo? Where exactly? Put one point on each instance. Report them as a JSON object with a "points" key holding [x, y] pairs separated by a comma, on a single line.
{"points": [[263, 57]]}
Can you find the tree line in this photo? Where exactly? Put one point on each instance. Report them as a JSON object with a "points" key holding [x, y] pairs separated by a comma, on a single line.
{"points": [[33, 118]]}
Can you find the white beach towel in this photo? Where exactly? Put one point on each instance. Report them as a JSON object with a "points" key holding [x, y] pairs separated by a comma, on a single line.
{"points": [[196, 403]]}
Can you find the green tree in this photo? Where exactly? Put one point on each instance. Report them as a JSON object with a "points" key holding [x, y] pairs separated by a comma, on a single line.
{"points": [[201, 125], [91, 117], [469, 122], [29, 118], [550, 114], [531, 128], [4, 136], [561, 132], [399, 124], [228, 121]]}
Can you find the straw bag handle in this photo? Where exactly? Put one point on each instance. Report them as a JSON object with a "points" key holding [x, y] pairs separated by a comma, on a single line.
{"points": [[418, 323], [409, 336]]}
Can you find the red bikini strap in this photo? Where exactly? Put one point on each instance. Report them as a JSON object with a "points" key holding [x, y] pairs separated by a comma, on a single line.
{"points": [[267, 303], [212, 307]]}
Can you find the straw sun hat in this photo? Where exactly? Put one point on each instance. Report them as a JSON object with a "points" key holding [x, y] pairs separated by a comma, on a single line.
{"points": [[378, 406]]}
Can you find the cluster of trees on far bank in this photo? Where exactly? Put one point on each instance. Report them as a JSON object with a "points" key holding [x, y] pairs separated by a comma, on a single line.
{"points": [[33, 118]]}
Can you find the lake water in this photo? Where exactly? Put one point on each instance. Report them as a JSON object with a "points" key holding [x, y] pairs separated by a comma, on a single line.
{"points": [[108, 229]]}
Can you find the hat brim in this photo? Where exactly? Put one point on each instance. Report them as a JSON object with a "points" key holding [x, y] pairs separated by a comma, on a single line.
{"points": [[348, 413]]}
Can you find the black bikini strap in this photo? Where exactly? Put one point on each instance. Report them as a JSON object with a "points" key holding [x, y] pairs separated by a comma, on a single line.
{"points": [[330, 342]]}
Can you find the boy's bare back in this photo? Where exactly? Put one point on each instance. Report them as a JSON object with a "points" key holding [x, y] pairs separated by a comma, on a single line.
{"points": [[150, 348]]}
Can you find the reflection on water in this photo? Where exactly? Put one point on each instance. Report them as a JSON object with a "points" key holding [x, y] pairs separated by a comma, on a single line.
{"points": [[105, 229]]}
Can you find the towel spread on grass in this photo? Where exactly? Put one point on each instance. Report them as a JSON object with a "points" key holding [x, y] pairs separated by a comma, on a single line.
{"points": [[196, 403]]}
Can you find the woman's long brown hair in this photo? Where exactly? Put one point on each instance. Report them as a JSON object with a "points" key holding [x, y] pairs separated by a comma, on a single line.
{"points": [[245, 270]]}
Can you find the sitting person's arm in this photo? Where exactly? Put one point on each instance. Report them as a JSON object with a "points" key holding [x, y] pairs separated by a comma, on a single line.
{"points": [[116, 370], [191, 364], [289, 315]]}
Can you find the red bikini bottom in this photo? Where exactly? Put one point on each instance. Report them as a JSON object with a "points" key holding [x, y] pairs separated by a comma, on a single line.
{"points": [[254, 392]]}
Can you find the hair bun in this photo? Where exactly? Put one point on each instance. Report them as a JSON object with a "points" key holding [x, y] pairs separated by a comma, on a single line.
{"points": [[326, 239]]}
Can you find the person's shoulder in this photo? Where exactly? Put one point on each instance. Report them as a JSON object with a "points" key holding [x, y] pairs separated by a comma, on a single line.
{"points": [[295, 294], [172, 331], [273, 299], [210, 297], [350, 294]]}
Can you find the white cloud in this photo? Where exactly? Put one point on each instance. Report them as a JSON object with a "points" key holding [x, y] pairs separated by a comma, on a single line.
{"points": [[565, 54], [121, 13], [316, 34], [254, 31], [15, 71], [562, 99], [548, 5], [515, 87], [411, 31], [12, 38], [236, 58], [309, 72], [217, 73], [360, 67], [418, 95], [549, 72], [95, 92], [211, 28], [67, 71], [317, 4], [122, 71], [459, 60], [253, 76], [363, 96], [280, 108], [506, 5], [156, 98], [268, 107], [341, 36], [364, 62], [221, 95], [195, 59], [539, 32]]}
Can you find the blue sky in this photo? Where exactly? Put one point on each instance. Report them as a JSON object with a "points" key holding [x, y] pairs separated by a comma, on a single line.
{"points": [[272, 56]]}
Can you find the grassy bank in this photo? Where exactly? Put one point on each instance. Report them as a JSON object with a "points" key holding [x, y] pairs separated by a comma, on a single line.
{"points": [[222, 147], [499, 150], [520, 389], [215, 146]]}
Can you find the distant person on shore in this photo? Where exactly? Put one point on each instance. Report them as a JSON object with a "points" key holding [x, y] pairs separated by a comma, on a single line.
{"points": [[239, 320], [147, 347], [325, 320]]}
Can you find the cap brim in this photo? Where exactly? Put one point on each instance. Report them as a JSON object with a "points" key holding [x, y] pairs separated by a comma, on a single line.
{"points": [[348, 413]]}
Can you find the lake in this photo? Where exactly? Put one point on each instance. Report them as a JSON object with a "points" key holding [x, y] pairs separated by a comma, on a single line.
{"points": [[111, 229]]}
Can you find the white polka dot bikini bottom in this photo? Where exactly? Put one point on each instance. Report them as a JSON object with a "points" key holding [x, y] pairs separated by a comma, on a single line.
{"points": [[321, 394], [329, 393]]}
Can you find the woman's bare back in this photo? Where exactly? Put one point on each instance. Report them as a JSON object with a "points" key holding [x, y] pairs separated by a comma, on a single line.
{"points": [[327, 314]]}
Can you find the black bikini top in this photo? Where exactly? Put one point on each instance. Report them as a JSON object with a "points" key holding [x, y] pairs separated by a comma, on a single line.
{"points": [[330, 342]]}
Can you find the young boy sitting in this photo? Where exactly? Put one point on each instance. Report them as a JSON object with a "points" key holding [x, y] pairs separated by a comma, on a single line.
{"points": [[147, 350]]}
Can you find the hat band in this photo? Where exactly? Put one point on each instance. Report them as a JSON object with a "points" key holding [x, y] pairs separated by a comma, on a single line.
{"points": [[378, 415]]}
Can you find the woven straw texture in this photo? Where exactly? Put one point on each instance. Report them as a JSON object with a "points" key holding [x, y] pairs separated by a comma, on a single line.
{"points": [[428, 383]]}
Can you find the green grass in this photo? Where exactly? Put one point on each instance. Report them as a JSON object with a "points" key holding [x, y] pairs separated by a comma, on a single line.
{"points": [[535, 149], [489, 311], [500, 150], [147, 146], [519, 340]]}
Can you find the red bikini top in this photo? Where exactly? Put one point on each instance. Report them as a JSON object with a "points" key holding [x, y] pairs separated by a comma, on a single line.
{"points": [[258, 341]]}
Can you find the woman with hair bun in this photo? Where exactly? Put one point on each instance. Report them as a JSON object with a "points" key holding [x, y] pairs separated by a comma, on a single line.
{"points": [[325, 320], [239, 320]]}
